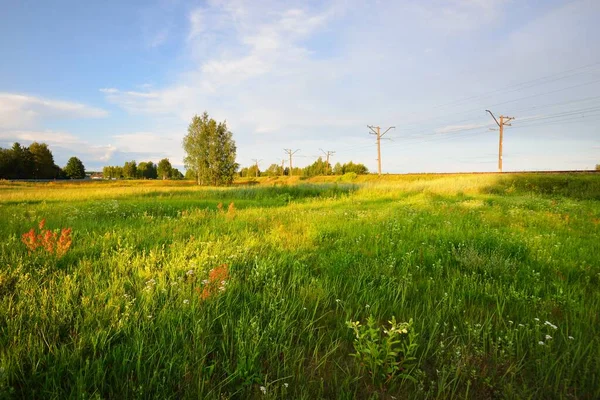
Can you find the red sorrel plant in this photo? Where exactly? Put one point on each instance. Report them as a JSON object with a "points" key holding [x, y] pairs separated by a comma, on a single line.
{"points": [[50, 241], [216, 282], [231, 211]]}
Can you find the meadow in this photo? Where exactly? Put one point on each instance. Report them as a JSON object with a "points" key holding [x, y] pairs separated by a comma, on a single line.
{"points": [[462, 286]]}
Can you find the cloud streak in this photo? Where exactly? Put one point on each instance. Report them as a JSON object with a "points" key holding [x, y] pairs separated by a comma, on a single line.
{"points": [[19, 111]]}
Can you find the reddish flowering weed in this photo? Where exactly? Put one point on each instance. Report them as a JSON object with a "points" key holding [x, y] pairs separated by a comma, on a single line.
{"points": [[230, 209], [217, 279], [48, 240]]}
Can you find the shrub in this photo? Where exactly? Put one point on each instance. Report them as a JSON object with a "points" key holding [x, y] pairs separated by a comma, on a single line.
{"points": [[349, 176]]}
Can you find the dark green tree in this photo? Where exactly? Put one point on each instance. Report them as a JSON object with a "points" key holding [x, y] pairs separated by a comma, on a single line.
{"points": [[7, 164], [147, 170], [359, 169], [23, 167], [130, 170], [43, 162], [74, 169], [164, 168], [176, 174]]}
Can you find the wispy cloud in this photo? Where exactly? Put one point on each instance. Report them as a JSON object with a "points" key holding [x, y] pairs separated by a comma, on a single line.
{"points": [[18, 111], [159, 38], [197, 23]]}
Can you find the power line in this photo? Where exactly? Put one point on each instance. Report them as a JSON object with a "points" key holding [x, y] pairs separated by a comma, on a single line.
{"points": [[497, 91], [527, 84], [505, 102]]}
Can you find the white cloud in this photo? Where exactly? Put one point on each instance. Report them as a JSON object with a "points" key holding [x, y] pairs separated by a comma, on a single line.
{"points": [[62, 141], [297, 73], [266, 44], [196, 23], [18, 111]]}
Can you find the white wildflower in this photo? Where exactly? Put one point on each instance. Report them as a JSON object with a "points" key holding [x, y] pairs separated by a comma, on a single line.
{"points": [[548, 337], [550, 324], [186, 301], [541, 343], [190, 272], [263, 390], [286, 384], [571, 338]]}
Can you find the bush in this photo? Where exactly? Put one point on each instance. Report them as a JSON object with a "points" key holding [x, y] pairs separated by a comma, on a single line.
{"points": [[349, 176]]}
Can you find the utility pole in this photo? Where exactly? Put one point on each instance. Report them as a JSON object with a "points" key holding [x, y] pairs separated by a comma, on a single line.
{"points": [[290, 153], [501, 124], [376, 130], [328, 153], [256, 163], [282, 168]]}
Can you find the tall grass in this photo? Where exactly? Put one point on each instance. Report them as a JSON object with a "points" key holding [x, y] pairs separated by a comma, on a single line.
{"points": [[499, 279]]}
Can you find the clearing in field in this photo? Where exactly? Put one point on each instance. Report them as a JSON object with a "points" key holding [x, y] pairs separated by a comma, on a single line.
{"points": [[478, 286]]}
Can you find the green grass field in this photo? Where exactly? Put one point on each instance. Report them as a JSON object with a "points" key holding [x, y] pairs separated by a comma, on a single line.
{"points": [[497, 278]]}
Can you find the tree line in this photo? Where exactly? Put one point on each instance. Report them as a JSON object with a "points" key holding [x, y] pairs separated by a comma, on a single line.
{"points": [[318, 168], [144, 170], [36, 162]]}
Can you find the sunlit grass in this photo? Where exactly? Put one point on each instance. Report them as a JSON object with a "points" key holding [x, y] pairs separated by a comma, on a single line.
{"points": [[478, 262]]}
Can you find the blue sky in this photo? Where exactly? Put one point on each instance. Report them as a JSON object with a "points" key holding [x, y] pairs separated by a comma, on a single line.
{"points": [[113, 81]]}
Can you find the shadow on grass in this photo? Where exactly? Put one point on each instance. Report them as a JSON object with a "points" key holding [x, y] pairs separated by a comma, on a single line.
{"points": [[574, 186]]}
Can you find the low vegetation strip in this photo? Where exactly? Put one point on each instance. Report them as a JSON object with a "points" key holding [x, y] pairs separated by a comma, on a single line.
{"points": [[470, 286]]}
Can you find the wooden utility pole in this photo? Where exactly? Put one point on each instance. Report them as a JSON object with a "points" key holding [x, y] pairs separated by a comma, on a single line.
{"points": [[290, 153], [256, 163], [501, 124], [328, 153], [376, 130]]}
